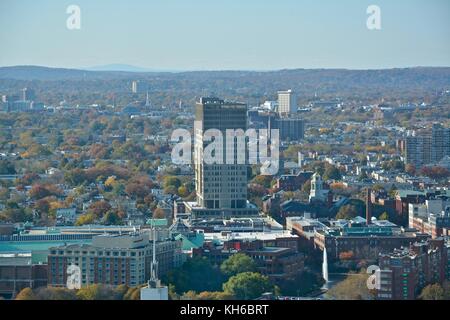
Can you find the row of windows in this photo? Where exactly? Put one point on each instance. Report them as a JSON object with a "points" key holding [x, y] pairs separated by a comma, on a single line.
{"points": [[98, 253]]}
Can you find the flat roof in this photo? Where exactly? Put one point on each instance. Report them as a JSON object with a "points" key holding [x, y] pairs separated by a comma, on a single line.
{"points": [[249, 235]]}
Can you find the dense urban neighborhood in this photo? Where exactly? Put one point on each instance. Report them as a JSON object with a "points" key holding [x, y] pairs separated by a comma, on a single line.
{"points": [[87, 180]]}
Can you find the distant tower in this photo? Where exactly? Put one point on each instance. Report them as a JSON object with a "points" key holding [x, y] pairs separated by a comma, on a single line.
{"points": [[154, 289], [134, 86], [317, 191], [287, 103], [147, 101], [301, 158], [27, 94]]}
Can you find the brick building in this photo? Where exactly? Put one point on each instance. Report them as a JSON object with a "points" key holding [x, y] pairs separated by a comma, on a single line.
{"points": [[405, 272], [18, 271]]}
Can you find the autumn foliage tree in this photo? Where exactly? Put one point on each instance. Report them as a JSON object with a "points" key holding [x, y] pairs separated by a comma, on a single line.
{"points": [[436, 173], [99, 208], [39, 191]]}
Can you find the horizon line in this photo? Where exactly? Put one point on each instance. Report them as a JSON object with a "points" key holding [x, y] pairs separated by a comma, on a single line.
{"points": [[162, 70]]}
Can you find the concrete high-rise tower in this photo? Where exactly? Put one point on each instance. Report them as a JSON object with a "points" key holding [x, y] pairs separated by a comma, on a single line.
{"points": [[221, 188], [287, 103]]}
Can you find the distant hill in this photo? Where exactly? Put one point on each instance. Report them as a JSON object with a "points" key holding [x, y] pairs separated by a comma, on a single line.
{"points": [[418, 74], [120, 67], [45, 73], [249, 86]]}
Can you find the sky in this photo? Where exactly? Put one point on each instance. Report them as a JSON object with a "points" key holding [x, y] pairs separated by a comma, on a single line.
{"points": [[226, 34]]}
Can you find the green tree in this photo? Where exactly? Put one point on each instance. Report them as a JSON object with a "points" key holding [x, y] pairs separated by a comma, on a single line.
{"points": [[16, 215], [7, 167], [111, 218], [433, 292], [96, 292], [55, 294], [384, 216], [88, 218], [26, 294], [247, 285], [332, 173], [347, 212], [171, 181], [197, 274], [354, 287], [238, 263]]}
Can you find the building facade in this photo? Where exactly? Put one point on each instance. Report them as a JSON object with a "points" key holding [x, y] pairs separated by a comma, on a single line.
{"points": [[427, 149], [291, 129], [113, 260], [405, 272], [221, 189], [287, 103], [18, 271]]}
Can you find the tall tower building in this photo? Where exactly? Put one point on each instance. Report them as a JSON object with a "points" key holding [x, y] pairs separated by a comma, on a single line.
{"points": [[424, 149], [418, 150], [440, 143], [287, 103], [138, 86], [221, 188], [27, 94]]}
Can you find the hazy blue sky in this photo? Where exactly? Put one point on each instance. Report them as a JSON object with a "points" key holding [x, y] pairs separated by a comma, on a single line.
{"points": [[226, 34]]}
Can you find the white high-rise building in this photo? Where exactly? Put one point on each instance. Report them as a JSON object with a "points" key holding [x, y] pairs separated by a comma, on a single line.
{"points": [[287, 103]]}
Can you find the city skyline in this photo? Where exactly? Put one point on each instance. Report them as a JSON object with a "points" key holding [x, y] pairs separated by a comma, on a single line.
{"points": [[269, 36]]}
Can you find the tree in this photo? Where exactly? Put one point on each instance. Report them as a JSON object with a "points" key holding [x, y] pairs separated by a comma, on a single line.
{"points": [[183, 191], [347, 212], [238, 263], [6, 167], [96, 292], [39, 191], [88, 218], [55, 294], [26, 294], [247, 285], [302, 284], [433, 292], [29, 178], [159, 213], [436, 173], [99, 208], [306, 187], [332, 173], [214, 295], [410, 169], [111, 218], [384, 216], [206, 295], [263, 180], [346, 255], [171, 181], [197, 274], [354, 287], [136, 190], [16, 215], [363, 176]]}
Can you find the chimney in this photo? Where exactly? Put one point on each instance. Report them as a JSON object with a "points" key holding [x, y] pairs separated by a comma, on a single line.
{"points": [[368, 206]]}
